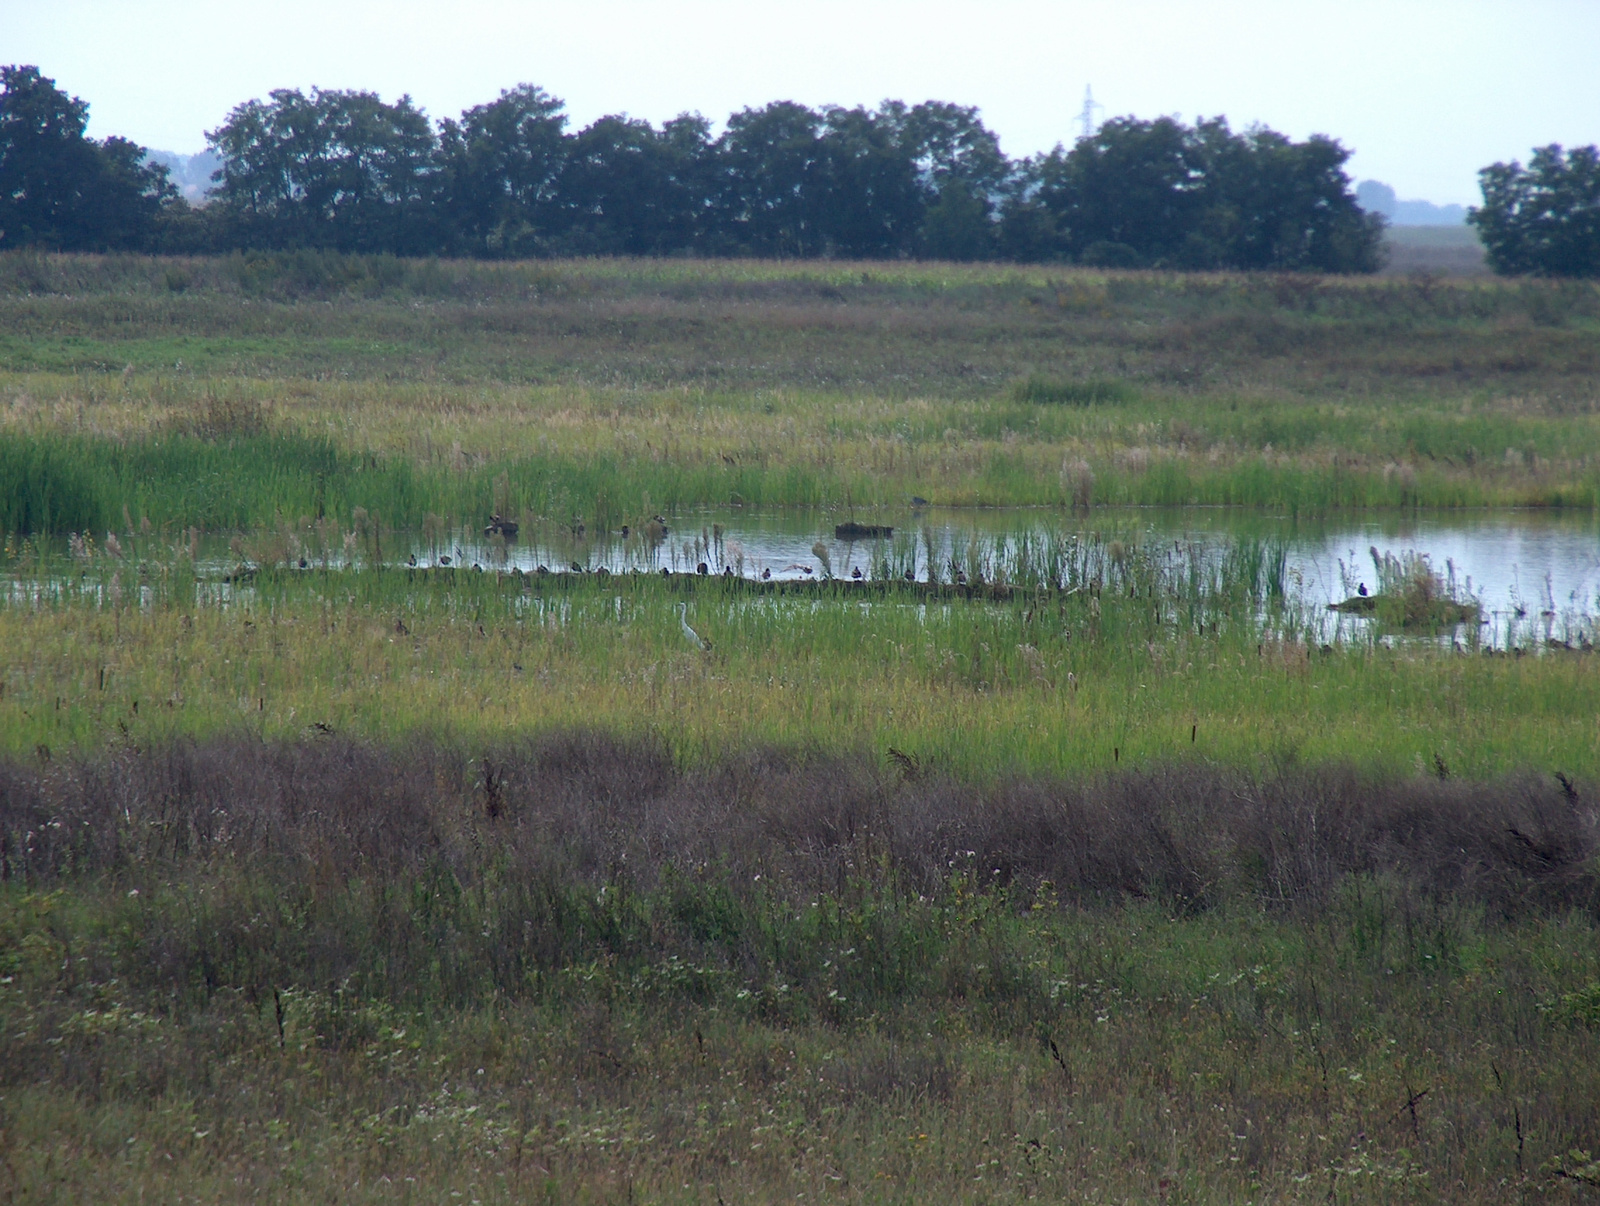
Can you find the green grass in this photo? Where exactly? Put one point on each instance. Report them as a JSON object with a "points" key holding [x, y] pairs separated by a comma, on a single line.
{"points": [[1138, 654], [703, 384], [168, 456], [1230, 1056]]}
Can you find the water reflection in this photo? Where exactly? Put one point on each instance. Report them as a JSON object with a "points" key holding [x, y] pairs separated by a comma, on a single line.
{"points": [[1533, 560], [1535, 574]]}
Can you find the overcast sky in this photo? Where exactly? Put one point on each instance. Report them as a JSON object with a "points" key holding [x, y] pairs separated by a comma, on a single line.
{"points": [[1424, 91]]}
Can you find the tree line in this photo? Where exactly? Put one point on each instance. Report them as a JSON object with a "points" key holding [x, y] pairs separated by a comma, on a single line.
{"points": [[347, 171]]}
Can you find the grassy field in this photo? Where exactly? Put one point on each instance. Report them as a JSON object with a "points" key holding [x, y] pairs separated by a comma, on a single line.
{"points": [[1435, 251], [1093, 870], [225, 393]]}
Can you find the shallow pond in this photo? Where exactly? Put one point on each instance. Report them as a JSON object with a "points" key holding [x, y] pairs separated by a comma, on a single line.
{"points": [[1532, 561], [1534, 573]]}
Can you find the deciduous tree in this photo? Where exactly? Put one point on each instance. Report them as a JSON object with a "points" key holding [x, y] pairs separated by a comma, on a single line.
{"points": [[1542, 219], [629, 189], [502, 164], [61, 189], [334, 169]]}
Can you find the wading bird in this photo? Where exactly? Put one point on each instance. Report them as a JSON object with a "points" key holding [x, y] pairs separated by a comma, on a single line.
{"points": [[683, 622]]}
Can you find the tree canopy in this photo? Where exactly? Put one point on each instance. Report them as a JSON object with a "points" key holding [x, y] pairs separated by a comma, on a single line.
{"points": [[1163, 194], [345, 170], [61, 189], [1543, 219]]}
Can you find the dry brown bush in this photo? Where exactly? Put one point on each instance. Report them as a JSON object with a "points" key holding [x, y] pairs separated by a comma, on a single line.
{"points": [[588, 807]]}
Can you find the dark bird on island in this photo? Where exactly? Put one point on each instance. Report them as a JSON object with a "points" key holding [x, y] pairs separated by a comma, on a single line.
{"points": [[961, 577], [624, 531], [412, 561], [911, 575], [541, 569], [302, 563], [1362, 590], [856, 573], [727, 571], [918, 501], [701, 569], [477, 567], [500, 526], [576, 568], [665, 572], [766, 574], [444, 560]]}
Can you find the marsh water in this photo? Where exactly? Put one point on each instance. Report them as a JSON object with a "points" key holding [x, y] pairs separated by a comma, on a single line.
{"points": [[1551, 558], [1537, 566], [1534, 573]]}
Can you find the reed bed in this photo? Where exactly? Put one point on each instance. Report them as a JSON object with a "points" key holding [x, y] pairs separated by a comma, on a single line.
{"points": [[190, 457]]}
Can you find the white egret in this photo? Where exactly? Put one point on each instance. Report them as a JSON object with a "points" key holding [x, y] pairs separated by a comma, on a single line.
{"points": [[683, 621]]}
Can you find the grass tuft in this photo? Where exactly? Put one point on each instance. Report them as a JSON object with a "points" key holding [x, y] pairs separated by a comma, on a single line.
{"points": [[1054, 391]]}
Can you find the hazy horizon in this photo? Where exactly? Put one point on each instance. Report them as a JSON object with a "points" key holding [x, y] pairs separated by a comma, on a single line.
{"points": [[1425, 93]]}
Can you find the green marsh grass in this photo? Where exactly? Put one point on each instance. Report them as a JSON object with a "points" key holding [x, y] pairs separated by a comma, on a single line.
{"points": [[407, 452], [1071, 393], [773, 385], [1137, 652]]}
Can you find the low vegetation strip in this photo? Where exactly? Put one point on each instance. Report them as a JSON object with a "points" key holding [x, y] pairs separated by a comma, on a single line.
{"points": [[586, 810], [571, 968]]}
